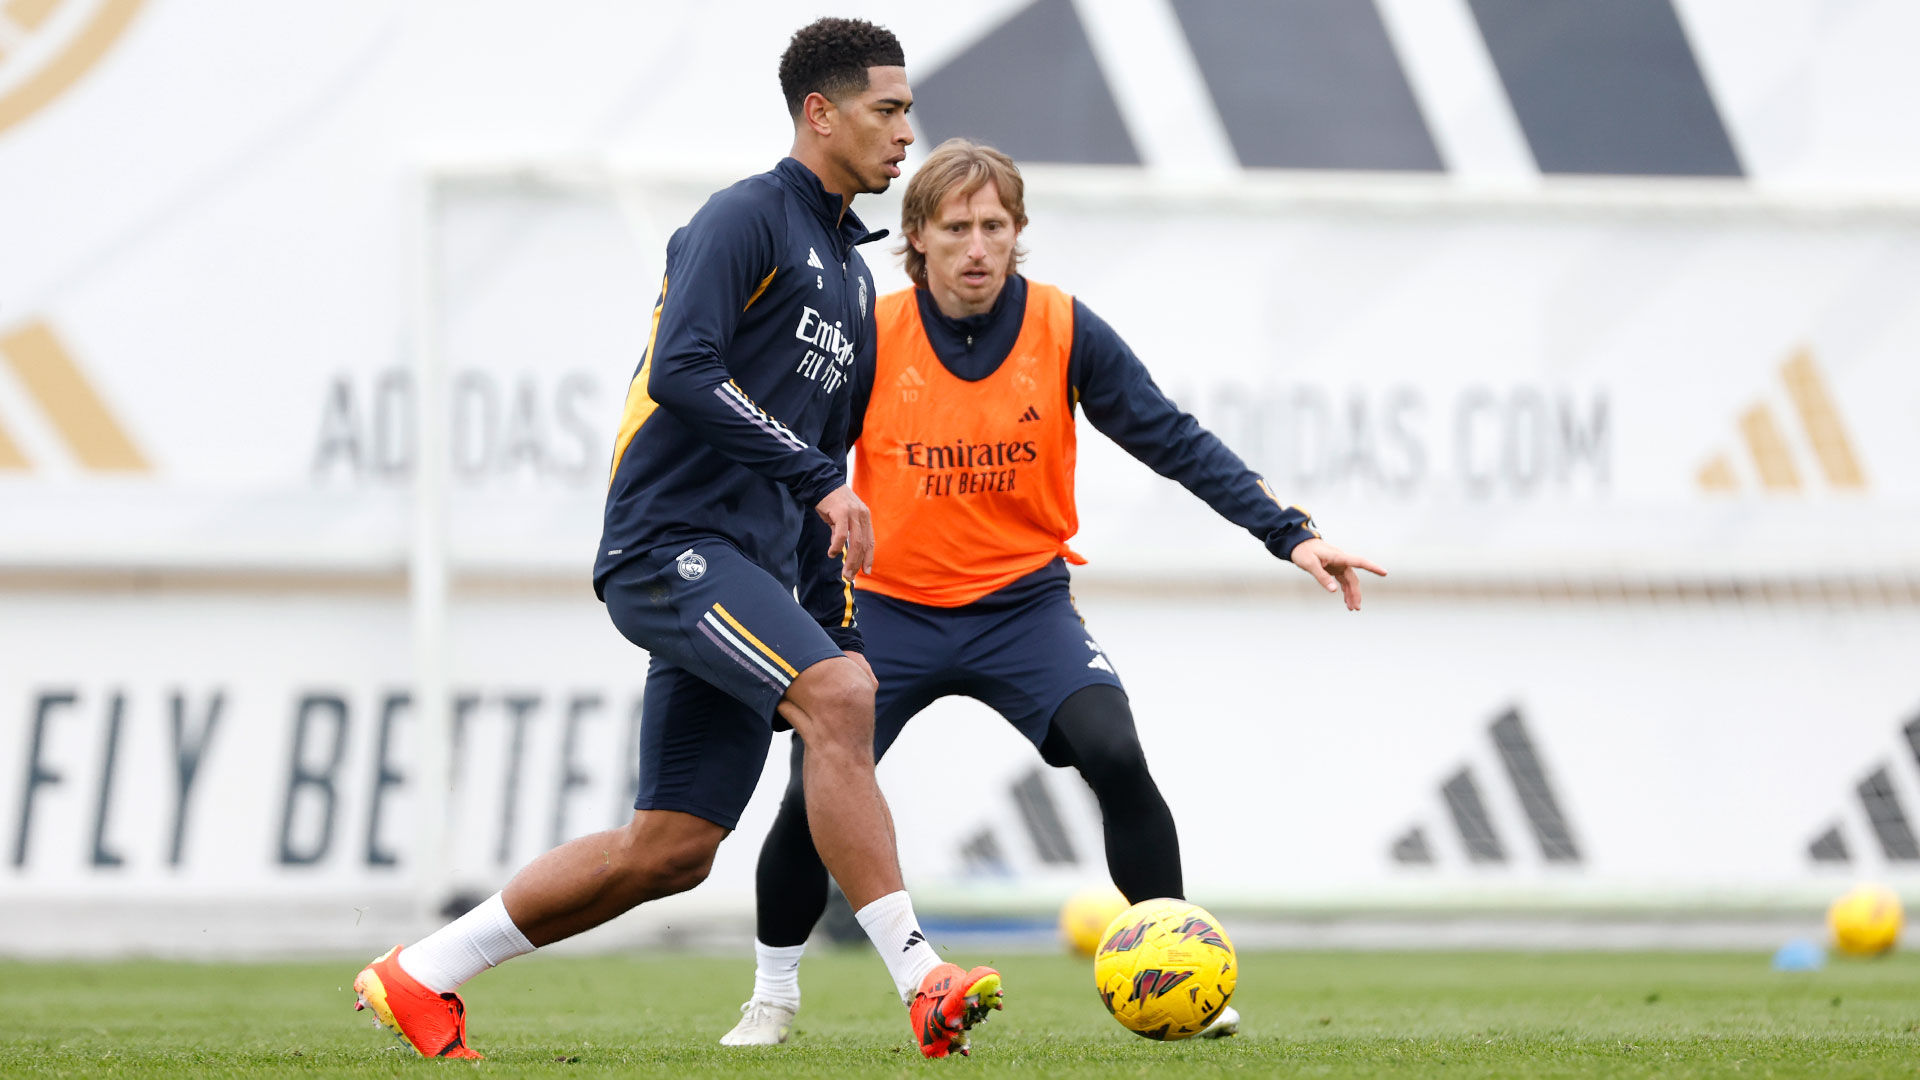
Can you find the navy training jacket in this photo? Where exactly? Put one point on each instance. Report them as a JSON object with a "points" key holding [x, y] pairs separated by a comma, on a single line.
{"points": [[735, 424]]}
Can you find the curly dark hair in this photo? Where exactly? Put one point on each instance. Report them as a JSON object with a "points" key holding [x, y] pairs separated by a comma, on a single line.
{"points": [[831, 56]]}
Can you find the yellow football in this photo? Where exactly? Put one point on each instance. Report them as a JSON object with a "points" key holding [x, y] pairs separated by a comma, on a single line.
{"points": [[1165, 969], [1866, 921], [1085, 915]]}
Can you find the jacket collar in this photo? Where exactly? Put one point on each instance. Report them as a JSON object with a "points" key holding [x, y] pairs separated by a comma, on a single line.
{"points": [[825, 204]]}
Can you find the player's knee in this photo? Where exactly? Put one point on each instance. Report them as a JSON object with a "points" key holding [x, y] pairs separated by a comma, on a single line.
{"points": [[838, 701], [660, 854], [845, 693], [679, 867], [1115, 764], [1093, 730]]}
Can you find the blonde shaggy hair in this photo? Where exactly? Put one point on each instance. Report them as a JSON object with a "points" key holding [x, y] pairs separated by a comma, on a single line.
{"points": [[965, 166]]}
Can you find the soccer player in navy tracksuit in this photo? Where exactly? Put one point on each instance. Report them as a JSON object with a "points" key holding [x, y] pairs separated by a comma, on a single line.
{"points": [[732, 436], [964, 435]]}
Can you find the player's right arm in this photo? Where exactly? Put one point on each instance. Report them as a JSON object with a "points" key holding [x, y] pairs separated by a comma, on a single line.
{"points": [[715, 267]]}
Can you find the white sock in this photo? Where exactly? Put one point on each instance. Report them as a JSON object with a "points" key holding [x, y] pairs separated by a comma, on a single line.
{"points": [[776, 973], [480, 939], [890, 924]]}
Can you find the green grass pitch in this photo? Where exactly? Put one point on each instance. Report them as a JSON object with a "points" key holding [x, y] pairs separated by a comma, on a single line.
{"points": [[1307, 1014]]}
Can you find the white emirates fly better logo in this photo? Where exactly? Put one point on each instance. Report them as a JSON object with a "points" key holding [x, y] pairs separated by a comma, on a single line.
{"points": [[830, 353]]}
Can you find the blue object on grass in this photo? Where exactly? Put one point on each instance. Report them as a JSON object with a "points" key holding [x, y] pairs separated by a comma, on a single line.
{"points": [[1800, 954]]}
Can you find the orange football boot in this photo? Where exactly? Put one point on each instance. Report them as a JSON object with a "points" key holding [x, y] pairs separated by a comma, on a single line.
{"points": [[950, 1002], [436, 1024]]}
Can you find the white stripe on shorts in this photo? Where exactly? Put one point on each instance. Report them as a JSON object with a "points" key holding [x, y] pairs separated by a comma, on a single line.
{"points": [[722, 629]]}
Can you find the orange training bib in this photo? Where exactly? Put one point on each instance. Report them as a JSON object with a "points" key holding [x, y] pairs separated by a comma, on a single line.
{"points": [[970, 483]]}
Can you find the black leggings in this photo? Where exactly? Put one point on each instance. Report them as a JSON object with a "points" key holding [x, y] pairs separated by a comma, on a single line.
{"points": [[1092, 731]]}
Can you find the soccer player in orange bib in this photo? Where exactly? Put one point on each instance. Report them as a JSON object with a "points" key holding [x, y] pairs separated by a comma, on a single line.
{"points": [[963, 431]]}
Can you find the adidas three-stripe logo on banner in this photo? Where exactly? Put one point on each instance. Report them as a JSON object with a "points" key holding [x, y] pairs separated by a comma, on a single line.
{"points": [[1770, 455], [1600, 88], [1885, 815], [1461, 794], [1045, 828]]}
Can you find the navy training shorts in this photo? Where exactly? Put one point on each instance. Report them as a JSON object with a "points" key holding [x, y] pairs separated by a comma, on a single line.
{"points": [[726, 640], [1022, 650]]}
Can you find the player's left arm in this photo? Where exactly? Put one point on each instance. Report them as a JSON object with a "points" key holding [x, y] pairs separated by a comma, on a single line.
{"points": [[1122, 401]]}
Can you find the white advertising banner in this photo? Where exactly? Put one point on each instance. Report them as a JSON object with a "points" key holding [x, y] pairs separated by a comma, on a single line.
{"points": [[1595, 382], [1548, 387], [1421, 753], [1541, 389]]}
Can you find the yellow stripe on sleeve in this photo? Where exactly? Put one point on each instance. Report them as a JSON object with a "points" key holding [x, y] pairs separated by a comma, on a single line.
{"points": [[1304, 512], [764, 282], [639, 404], [757, 643]]}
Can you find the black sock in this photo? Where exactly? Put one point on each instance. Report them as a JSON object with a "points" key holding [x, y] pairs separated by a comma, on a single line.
{"points": [[790, 883]]}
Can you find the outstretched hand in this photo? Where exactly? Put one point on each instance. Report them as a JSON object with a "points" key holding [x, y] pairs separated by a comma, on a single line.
{"points": [[1335, 570], [852, 526]]}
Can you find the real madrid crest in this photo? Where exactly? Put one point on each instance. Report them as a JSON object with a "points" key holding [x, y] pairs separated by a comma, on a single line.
{"points": [[693, 565]]}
